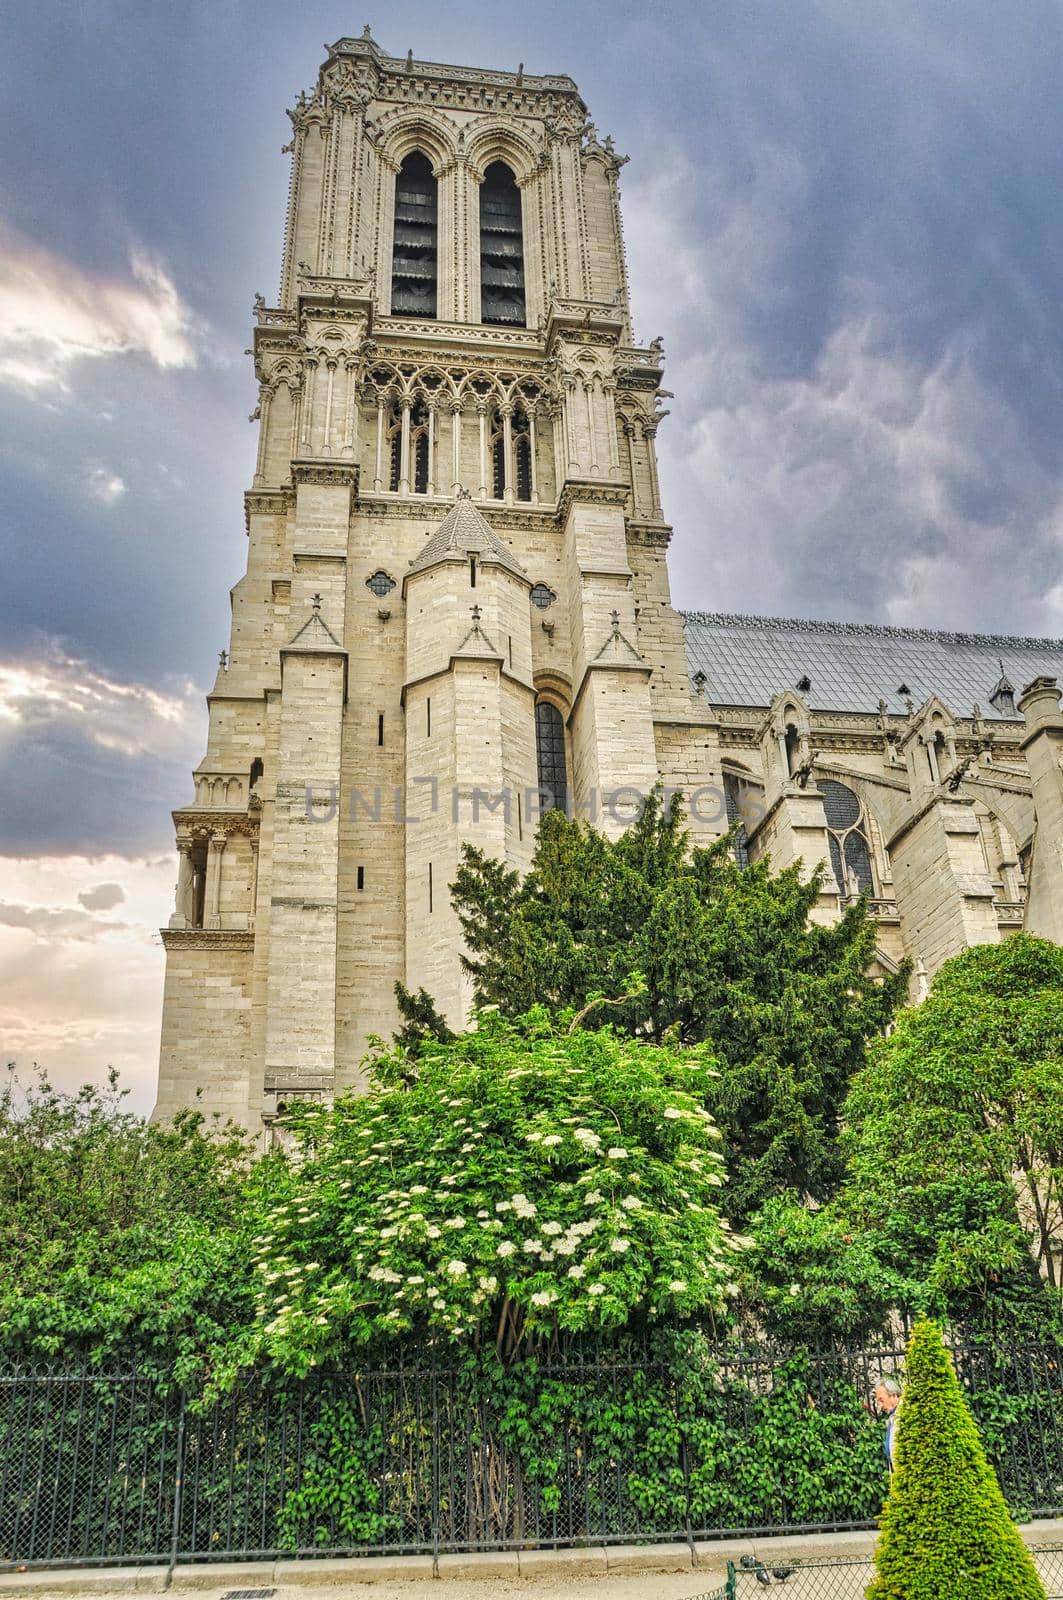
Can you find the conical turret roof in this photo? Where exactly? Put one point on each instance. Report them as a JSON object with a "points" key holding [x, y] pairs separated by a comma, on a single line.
{"points": [[465, 532]]}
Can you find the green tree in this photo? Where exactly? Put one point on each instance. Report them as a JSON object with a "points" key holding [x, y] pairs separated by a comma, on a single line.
{"points": [[967, 1093], [728, 956], [528, 1178], [945, 1528], [120, 1237], [951, 1201]]}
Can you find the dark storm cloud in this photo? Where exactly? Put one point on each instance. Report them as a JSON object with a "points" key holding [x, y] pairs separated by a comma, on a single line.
{"points": [[843, 217]]}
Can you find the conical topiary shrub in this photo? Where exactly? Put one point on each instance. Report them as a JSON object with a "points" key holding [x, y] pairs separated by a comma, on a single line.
{"points": [[946, 1531]]}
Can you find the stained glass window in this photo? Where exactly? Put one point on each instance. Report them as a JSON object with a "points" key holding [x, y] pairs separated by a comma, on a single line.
{"points": [[850, 855]]}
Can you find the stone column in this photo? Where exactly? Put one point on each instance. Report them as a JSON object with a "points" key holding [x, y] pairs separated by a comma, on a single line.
{"points": [[507, 453], [183, 909], [404, 451], [609, 407], [254, 881], [649, 433], [430, 487], [481, 412], [381, 409], [326, 441], [352, 414], [455, 440], [215, 852], [265, 395], [310, 384], [629, 435], [533, 447]]}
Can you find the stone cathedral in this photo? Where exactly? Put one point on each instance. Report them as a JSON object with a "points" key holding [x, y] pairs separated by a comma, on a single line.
{"points": [[456, 613]]}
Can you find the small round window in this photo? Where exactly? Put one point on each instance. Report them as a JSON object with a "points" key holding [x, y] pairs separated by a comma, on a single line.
{"points": [[542, 597], [380, 583]]}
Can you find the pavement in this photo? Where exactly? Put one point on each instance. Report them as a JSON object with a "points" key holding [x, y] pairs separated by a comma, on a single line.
{"points": [[630, 1572]]}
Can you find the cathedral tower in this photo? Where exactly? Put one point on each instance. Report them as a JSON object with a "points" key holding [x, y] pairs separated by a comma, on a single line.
{"points": [[455, 608]]}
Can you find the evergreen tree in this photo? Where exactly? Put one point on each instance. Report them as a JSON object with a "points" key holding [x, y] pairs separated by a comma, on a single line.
{"points": [[727, 955], [946, 1531]]}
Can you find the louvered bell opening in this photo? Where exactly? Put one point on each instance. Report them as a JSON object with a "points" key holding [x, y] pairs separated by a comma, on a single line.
{"points": [[413, 259], [501, 248]]}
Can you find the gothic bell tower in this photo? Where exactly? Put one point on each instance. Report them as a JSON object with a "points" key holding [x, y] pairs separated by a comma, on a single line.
{"points": [[455, 608]]}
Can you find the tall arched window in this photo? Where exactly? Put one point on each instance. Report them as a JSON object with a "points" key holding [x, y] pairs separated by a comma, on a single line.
{"points": [[413, 255], [550, 750], [501, 248], [850, 855]]}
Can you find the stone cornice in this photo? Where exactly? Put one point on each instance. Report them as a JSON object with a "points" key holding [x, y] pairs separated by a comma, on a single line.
{"points": [[341, 474], [655, 535], [590, 491], [207, 939], [433, 508], [198, 821], [576, 319], [267, 503], [465, 339]]}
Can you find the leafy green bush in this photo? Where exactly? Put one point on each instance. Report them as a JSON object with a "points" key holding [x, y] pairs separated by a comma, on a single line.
{"points": [[946, 1531], [120, 1238], [521, 1179]]}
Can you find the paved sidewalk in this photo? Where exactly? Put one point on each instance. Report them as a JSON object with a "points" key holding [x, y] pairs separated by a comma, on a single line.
{"points": [[631, 1572]]}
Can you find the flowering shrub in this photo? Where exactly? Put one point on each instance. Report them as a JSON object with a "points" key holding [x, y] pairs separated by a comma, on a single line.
{"points": [[515, 1181]]}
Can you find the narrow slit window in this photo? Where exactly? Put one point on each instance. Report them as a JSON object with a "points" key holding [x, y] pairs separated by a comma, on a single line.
{"points": [[380, 727], [472, 572], [428, 716], [413, 256], [430, 906], [501, 248], [361, 877]]}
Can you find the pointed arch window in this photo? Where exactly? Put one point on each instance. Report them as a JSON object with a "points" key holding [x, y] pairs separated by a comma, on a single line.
{"points": [[501, 248], [850, 853], [413, 255], [550, 751]]}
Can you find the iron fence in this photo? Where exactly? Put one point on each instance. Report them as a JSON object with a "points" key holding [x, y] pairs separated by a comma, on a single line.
{"points": [[846, 1579], [107, 1467]]}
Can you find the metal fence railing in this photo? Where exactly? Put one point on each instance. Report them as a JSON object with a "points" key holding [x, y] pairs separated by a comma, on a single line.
{"points": [[845, 1579], [105, 1467]]}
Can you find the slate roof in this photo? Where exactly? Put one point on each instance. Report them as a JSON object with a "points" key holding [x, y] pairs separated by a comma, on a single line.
{"points": [[852, 665], [463, 532]]}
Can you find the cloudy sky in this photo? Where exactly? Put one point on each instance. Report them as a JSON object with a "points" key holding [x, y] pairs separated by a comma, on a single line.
{"points": [[844, 218]]}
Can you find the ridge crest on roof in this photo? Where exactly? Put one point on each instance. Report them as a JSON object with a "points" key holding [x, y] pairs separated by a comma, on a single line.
{"points": [[876, 630]]}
